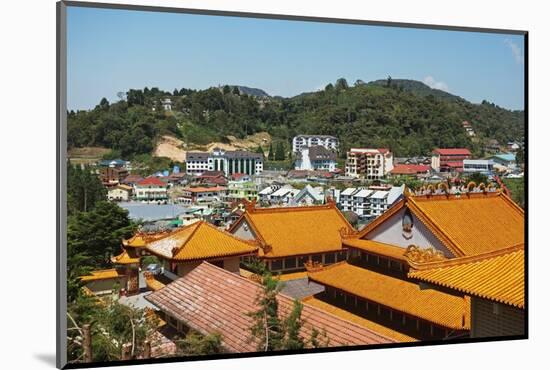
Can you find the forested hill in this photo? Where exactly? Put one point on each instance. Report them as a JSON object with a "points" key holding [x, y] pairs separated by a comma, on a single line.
{"points": [[417, 88], [394, 114]]}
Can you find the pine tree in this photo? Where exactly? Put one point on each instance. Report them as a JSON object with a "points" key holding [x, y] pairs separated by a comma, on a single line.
{"points": [[260, 150], [280, 152], [291, 328], [267, 328], [271, 155], [195, 344], [270, 330]]}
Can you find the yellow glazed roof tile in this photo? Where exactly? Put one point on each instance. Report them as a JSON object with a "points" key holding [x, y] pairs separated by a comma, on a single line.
{"points": [[124, 259], [381, 249], [291, 231], [479, 224], [468, 225], [152, 283], [199, 241], [101, 275], [346, 315], [401, 295], [497, 276]]}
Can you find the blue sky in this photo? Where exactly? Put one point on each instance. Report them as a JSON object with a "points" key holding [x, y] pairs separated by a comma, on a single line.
{"points": [[116, 50]]}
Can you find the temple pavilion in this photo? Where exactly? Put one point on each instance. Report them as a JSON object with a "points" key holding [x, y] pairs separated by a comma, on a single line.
{"points": [[495, 281], [290, 236], [185, 248], [375, 282]]}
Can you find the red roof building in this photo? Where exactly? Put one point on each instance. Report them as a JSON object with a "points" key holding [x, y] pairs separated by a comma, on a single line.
{"points": [[151, 181], [449, 159], [410, 169], [151, 189]]}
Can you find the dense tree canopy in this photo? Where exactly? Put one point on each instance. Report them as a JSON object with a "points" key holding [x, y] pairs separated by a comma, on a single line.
{"points": [[406, 116]]}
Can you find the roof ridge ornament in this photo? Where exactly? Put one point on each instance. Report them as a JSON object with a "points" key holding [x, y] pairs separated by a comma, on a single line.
{"points": [[346, 233], [312, 266], [417, 255]]}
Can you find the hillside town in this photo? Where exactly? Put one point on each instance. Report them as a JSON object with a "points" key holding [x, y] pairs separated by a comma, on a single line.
{"points": [[377, 251]]}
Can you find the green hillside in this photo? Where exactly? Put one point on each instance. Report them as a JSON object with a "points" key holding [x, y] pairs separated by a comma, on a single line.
{"points": [[406, 116]]}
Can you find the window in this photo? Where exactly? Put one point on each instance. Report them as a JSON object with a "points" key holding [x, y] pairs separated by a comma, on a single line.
{"points": [[218, 263], [394, 265], [290, 263], [301, 261], [341, 256], [330, 258], [276, 265], [317, 258]]}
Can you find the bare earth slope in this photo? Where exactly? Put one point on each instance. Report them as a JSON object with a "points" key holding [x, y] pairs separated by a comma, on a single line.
{"points": [[175, 149]]}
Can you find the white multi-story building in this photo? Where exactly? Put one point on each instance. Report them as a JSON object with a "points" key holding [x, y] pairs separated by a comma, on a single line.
{"points": [[166, 104], [484, 166], [369, 203], [382, 200], [266, 192], [229, 162], [305, 141], [151, 189], [346, 199], [315, 158], [361, 202], [372, 164], [283, 195]]}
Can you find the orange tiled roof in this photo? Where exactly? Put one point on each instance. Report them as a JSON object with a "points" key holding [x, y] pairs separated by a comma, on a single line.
{"points": [[196, 298], [466, 225], [124, 259], [497, 276], [381, 249], [152, 283], [101, 275], [137, 241], [291, 231], [401, 295], [199, 241], [346, 315]]}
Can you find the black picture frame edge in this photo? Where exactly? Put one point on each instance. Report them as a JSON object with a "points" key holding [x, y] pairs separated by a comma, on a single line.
{"points": [[61, 186], [61, 171]]}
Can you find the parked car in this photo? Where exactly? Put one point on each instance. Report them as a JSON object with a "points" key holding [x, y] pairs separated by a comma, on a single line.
{"points": [[154, 268]]}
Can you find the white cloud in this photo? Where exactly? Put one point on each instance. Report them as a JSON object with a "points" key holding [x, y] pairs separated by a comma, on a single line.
{"points": [[516, 51], [431, 82]]}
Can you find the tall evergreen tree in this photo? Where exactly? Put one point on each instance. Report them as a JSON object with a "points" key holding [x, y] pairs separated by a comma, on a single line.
{"points": [[260, 150], [97, 233], [271, 155], [341, 84], [271, 330], [280, 152], [84, 189]]}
